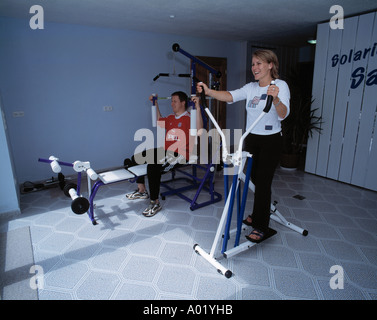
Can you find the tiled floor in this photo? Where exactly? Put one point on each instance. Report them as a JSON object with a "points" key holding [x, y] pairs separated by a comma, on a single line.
{"points": [[127, 256]]}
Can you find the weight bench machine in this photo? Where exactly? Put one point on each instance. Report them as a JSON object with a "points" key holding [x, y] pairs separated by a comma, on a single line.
{"points": [[81, 204], [238, 160], [132, 173]]}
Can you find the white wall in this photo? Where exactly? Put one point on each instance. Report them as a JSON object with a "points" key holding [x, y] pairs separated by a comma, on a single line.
{"points": [[345, 93], [9, 194]]}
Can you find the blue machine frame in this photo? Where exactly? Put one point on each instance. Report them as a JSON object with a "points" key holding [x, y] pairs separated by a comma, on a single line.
{"points": [[206, 183]]}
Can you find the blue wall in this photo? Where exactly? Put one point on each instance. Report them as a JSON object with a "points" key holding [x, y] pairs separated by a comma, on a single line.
{"points": [[62, 77]]}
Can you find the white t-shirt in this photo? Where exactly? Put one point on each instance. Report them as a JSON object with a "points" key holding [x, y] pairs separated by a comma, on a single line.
{"points": [[256, 98]]}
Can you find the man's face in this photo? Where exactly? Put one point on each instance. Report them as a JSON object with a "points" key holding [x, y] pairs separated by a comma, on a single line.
{"points": [[177, 105]]}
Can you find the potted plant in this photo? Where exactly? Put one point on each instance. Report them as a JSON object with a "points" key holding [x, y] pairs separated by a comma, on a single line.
{"points": [[299, 125]]}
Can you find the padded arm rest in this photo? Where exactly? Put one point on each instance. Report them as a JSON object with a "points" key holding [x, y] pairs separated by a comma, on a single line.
{"points": [[123, 174], [115, 176], [140, 170]]}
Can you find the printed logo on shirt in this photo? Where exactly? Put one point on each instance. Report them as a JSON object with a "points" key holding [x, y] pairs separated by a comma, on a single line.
{"points": [[172, 135], [253, 103]]}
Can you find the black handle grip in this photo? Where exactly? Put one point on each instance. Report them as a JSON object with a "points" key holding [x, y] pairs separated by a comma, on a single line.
{"points": [[267, 108], [203, 98], [161, 75]]}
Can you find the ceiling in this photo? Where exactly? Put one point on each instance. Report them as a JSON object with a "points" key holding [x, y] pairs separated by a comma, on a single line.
{"points": [[278, 22]]}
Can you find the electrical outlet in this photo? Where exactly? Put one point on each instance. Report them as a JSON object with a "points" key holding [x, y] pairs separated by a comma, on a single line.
{"points": [[18, 114], [107, 108]]}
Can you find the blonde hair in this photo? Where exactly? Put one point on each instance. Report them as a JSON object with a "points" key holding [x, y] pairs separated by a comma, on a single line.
{"points": [[269, 57]]}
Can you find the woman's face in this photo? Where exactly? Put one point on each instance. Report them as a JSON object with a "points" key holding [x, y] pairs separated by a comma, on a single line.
{"points": [[261, 69]]}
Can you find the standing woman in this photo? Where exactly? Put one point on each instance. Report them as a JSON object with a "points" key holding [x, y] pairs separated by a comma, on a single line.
{"points": [[264, 142]]}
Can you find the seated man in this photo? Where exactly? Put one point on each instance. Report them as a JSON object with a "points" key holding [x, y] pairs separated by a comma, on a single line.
{"points": [[175, 152]]}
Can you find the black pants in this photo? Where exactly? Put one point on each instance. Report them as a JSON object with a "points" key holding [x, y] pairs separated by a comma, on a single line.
{"points": [[159, 161], [266, 152]]}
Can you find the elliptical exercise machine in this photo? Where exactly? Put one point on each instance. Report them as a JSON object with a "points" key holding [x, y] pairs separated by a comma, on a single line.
{"points": [[238, 160]]}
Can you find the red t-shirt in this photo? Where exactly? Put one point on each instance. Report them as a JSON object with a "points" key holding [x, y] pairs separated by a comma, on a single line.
{"points": [[177, 133]]}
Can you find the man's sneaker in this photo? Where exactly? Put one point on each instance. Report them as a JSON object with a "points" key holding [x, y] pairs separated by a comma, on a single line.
{"points": [[152, 209], [137, 195]]}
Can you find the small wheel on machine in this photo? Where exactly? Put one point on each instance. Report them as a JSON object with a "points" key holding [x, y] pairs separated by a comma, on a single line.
{"points": [[80, 205]]}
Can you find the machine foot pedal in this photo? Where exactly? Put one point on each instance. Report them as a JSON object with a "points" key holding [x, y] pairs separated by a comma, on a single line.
{"points": [[268, 234]]}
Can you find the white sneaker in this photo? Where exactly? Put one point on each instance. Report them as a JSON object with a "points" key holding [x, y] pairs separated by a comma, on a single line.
{"points": [[137, 195], [152, 209]]}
